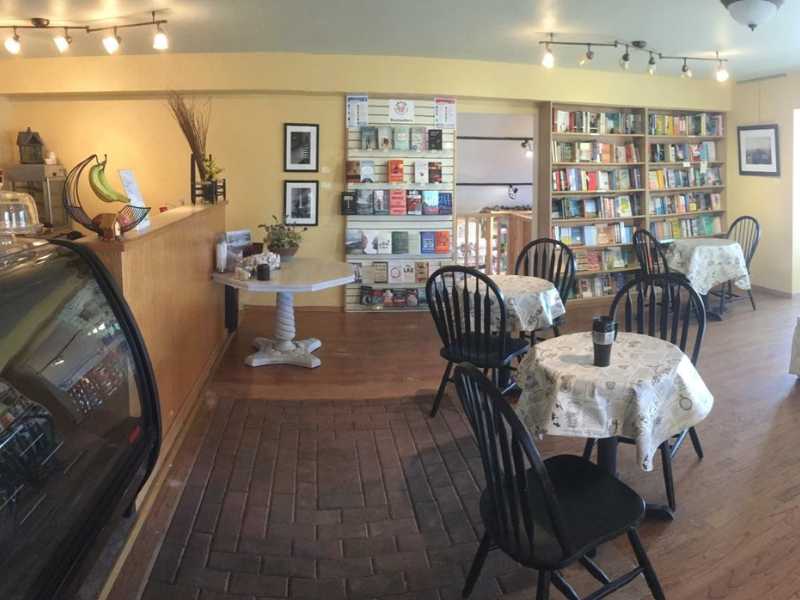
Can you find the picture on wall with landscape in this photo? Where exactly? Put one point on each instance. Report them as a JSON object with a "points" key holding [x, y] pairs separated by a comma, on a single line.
{"points": [[759, 150]]}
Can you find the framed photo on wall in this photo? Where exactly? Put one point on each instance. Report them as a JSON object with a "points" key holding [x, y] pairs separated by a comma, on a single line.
{"points": [[301, 147], [301, 202], [759, 152]]}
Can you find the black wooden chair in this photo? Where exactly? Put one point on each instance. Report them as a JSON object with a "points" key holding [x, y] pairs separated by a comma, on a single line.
{"points": [[649, 253], [663, 306], [462, 301], [545, 514], [747, 231], [552, 260]]}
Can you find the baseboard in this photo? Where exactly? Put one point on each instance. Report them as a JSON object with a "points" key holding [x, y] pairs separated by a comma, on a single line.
{"points": [[145, 501], [772, 292]]}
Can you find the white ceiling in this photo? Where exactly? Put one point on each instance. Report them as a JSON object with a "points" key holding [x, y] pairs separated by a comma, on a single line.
{"points": [[499, 30]]}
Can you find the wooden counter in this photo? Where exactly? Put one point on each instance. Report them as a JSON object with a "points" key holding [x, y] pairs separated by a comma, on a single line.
{"points": [[165, 275]]}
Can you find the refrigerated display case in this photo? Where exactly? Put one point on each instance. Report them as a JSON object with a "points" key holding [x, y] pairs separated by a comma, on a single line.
{"points": [[79, 417]]}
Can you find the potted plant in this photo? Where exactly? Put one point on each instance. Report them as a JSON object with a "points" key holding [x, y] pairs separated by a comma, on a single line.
{"points": [[211, 171], [282, 239]]}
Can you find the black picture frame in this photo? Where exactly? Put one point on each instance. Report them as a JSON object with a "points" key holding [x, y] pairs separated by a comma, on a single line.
{"points": [[296, 157], [747, 134], [291, 212]]}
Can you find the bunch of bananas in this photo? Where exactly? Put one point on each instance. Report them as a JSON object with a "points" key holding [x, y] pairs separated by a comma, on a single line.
{"points": [[100, 185]]}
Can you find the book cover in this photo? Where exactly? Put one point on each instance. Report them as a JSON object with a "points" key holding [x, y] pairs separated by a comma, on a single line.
{"points": [[367, 171], [380, 272], [397, 202], [380, 202], [353, 171], [412, 298], [399, 242], [399, 297], [434, 139], [427, 242], [401, 138], [394, 170], [408, 272], [371, 241], [414, 243], [417, 140], [445, 203], [420, 171], [430, 202], [363, 202], [348, 203], [383, 242], [385, 138], [414, 202], [369, 138], [420, 271], [354, 241], [434, 172], [442, 242], [395, 273]]}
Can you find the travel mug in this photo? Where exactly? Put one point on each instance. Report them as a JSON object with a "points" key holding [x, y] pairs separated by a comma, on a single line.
{"points": [[604, 332], [262, 272]]}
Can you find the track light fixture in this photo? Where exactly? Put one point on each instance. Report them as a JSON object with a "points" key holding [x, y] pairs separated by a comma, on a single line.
{"points": [[548, 60], [62, 42], [527, 145]]}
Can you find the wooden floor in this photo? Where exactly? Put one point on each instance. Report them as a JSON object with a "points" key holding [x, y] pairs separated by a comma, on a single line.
{"points": [[737, 532]]}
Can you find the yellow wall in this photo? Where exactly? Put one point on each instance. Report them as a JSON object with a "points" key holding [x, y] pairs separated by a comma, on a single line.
{"points": [[769, 199], [116, 106]]}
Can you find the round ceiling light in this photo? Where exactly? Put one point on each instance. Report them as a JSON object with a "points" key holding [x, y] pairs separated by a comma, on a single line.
{"points": [[752, 13]]}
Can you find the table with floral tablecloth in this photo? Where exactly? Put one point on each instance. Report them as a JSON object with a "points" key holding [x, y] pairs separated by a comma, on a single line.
{"points": [[532, 303], [650, 392], [708, 262]]}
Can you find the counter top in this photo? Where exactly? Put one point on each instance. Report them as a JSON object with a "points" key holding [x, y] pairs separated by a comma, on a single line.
{"points": [[297, 275]]}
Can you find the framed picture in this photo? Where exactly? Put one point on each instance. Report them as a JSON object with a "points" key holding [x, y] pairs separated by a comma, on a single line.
{"points": [[301, 202], [300, 147], [759, 152]]}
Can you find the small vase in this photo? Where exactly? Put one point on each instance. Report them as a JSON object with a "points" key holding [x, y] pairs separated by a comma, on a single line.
{"points": [[209, 191]]}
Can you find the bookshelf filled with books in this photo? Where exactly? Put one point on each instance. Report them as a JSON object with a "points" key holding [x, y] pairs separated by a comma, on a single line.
{"points": [[398, 204], [610, 170]]}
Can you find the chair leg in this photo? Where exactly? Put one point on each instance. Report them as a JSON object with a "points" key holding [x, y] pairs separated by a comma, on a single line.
{"points": [[722, 299], [442, 386], [752, 300], [666, 467], [477, 565], [588, 449], [644, 562], [556, 331], [543, 585], [698, 447]]}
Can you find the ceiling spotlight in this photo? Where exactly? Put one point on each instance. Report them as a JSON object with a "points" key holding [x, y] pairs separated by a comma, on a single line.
{"points": [[651, 65], [686, 72], [160, 40], [625, 59], [527, 145], [722, 74], [588, 56], [62, 42], [548, 60], [111, 42], [752, 13], [12, 43]]}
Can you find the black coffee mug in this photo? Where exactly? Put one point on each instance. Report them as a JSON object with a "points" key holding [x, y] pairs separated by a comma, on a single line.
{"points": [[262, 272], [604, 332]]}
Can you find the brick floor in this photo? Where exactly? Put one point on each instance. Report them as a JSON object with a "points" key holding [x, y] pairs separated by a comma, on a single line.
{"points": [[368, 499]]}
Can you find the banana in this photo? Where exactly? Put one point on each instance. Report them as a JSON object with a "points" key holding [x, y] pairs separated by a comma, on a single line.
{"points": [[101, 187]]}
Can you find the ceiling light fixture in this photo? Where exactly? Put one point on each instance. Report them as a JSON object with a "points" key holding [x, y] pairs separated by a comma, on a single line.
{"points": [[63, 42], [111, 42], [686, 72], [651, 64], [548, 60], [625, 59], [12, 44], [588, 57], [752, 13], [160, 39], [722, 74]]}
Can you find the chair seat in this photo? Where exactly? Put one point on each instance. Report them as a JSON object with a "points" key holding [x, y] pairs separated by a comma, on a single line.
{"points": [[468, 352], [596, 507]]}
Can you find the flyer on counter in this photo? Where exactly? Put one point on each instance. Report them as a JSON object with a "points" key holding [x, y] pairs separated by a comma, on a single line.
{"points": [[444, 113], [357, 110], [131, 187]]}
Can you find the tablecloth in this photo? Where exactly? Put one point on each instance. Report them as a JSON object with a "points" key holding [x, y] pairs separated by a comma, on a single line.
{"points": [[708, 262]]}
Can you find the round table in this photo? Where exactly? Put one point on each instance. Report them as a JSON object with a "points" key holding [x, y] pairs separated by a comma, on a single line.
{"points": [[649, 393], [532, 302], [708, 262]]}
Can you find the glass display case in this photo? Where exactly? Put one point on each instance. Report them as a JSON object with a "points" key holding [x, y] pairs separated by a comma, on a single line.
{"points": [[79, 422], [18, 214]]}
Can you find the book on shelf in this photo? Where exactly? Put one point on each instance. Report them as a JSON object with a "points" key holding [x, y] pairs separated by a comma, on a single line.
{"points": [[385, 138], [395, 273], [689, 202], [364, 204], [414, 243], [442, 242], [348, 203], [673, 153], [420, 171], [599, 285], [421, 271], [401, 138], [693, 124], [600, 234], [596, 122], [399, 242], [377, 241], [369, 138], [577, 179], [434, 171], [594, 152], [664, 178], [380, 272], [353, 171], [397, 202], [687, 227], [418, 139], [380, 202], [396, 297], [354, 241], [427, 242], [596, 207], [434, 139], [395, 171], [367, 171], [414, 202], [430, 202], [445, 203]]}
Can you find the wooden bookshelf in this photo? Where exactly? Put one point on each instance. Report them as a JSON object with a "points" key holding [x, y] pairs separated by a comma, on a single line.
{"points": [[642, 139], [378, 116]]}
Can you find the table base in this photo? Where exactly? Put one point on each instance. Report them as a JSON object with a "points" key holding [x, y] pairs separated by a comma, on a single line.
{"points": [[275, 352]]}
